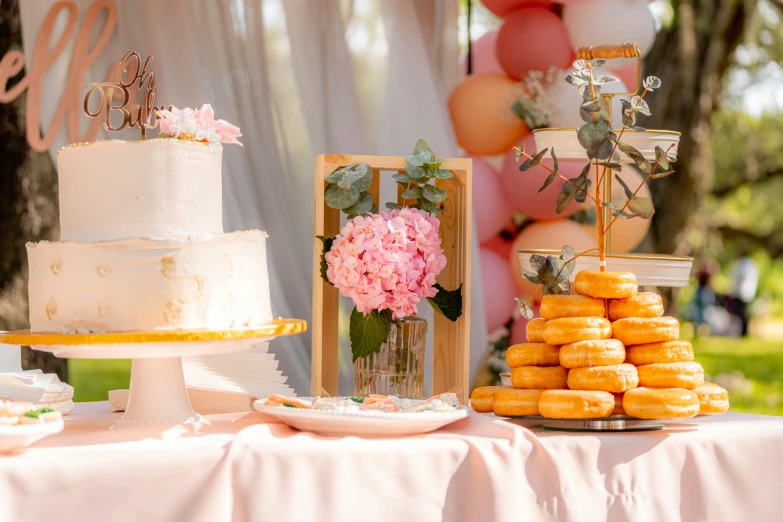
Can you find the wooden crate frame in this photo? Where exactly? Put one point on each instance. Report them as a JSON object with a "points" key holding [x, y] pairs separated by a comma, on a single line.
{"points": [[451, 362]]}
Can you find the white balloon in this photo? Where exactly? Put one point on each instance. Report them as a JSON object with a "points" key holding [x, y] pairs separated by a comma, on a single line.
{"points": [[567, 101], [599, 22]]}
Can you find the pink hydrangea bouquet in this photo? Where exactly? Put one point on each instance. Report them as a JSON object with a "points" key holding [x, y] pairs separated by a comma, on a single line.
{"points": [[197, 125], [387, 262]]}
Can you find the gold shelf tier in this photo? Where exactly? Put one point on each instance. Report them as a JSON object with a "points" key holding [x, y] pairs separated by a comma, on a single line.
{"points": [[276, 328]]}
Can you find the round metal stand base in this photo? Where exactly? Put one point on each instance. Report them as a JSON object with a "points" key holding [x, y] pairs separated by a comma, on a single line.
{"points": [[610, 425]]}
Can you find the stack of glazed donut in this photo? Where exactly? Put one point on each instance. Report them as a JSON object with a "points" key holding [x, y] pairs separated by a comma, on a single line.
{"points": [[606, 350]]}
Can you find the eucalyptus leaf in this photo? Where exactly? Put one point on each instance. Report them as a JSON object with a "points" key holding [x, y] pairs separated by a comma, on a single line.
{"points": [[413, 159], [421, 146], [537, 261], [628, 192], [613, 166], [433, 193], [659, 175], [447, 303], [617, 211], [661, 157], [393, 206], [424, 205], [635, 128], [436, 210], [340, 198], [533, 161], [565, 197], [582, 185], [603, 80], [363, 183], [402, 178], [553, 174], [417, 173], [581, 65], [353, 174], [524, 309], [531, 276], [636, 156], [444, 174], [518, 152], [640, 106], [597, 64], [335, 176], [643, 207], [575, 80], [651, 83], [368, 332], [593, 138], [363, 206], [412, 193]]}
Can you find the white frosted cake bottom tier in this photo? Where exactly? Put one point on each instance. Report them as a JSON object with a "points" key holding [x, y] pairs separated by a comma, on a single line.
{"points": [[210, 282]]}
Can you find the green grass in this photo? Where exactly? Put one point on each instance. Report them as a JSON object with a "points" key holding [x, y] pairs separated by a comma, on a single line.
{"points": [[751, 369], [92, 378]]}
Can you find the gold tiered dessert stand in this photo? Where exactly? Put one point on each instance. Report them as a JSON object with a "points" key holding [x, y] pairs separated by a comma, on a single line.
{"points": [[651, 269], [157, 386]]}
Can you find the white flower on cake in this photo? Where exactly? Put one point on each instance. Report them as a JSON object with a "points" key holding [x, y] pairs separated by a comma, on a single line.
{"points": [[197, 125]]}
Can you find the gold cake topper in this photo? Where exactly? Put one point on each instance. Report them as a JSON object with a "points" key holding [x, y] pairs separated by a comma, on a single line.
{"points": [[137, 115]]}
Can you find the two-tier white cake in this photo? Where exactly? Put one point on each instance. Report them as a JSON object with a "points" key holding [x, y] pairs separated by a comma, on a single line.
{"points": [[143, 246]]}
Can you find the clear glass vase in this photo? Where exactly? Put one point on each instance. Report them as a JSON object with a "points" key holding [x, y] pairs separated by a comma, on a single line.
{"points": [[398, 367]]}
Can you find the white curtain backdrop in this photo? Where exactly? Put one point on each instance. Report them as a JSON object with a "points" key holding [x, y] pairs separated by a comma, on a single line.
{"points": [[300, 78]]}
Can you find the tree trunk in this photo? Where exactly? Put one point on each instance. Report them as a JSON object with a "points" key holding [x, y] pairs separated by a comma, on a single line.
{"points": [[691, 57], [28, 203]]}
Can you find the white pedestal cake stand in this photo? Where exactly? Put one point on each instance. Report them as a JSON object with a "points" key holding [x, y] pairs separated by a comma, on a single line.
{"points": [[157, 387]]}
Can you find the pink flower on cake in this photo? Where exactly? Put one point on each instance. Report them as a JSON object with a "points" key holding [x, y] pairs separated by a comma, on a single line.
{"points": [[197, 125], [387, 261]]}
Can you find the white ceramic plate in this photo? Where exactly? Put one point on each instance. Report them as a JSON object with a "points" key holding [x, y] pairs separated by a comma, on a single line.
{"points": [[15, 438], [361, 423], [650, 269]]}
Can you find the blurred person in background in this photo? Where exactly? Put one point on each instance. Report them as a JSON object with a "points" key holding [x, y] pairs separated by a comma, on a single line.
{"points": [[703, 301], [745, 278]]}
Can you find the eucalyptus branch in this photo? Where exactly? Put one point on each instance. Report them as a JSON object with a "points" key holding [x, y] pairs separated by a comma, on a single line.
{"points": [[646, 179], [619, 137], [528, 156], [565, 263]]}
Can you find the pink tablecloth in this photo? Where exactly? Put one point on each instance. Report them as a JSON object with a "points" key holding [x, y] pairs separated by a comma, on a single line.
{"points": [[479, 469]]}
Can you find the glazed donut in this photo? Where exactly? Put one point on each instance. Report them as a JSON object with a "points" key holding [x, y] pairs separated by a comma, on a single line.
{"points": [[514, 403], [554, 306], [616, 378], [481, 398], [575, 404], [643, 304], [618, 404], [533, 354], [646, 330], [605, 285], [659, 404], [567, 330], [535, 330], [539, 377], [668, 351], [688, 375], [712, 399], [592, 353]]}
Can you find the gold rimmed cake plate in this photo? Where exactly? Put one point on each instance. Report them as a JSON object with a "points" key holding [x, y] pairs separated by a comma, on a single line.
{"points": [[157, 387]]}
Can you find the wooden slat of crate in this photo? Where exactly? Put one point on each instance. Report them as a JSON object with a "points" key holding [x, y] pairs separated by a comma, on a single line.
{"points": [[452, 340]]}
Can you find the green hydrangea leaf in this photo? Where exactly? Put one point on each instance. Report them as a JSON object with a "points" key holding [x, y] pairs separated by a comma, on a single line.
{"points": [[368, 332], [327, 241], [447, 303]]}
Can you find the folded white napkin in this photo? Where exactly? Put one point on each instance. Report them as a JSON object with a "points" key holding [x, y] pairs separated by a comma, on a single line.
{"points": [[32, 386]]}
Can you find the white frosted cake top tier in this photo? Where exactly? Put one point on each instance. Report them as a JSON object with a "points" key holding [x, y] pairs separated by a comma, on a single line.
{"points": [[214, 282], [150, 188]]}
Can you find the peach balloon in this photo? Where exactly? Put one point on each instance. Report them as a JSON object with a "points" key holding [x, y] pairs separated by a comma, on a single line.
{"points": [[503, 7], [521, 188], [490, 207], [483, 55], [626, 234], [480, 108], [547, 235], [532, 39], [498, 287]]}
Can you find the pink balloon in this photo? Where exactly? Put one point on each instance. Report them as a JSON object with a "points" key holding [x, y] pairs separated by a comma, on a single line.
{"points": [[484, 58], [498, 289], [519, 331], [532, 39], [521, 188], [499, 246], [503, 7], [492, 210]]}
